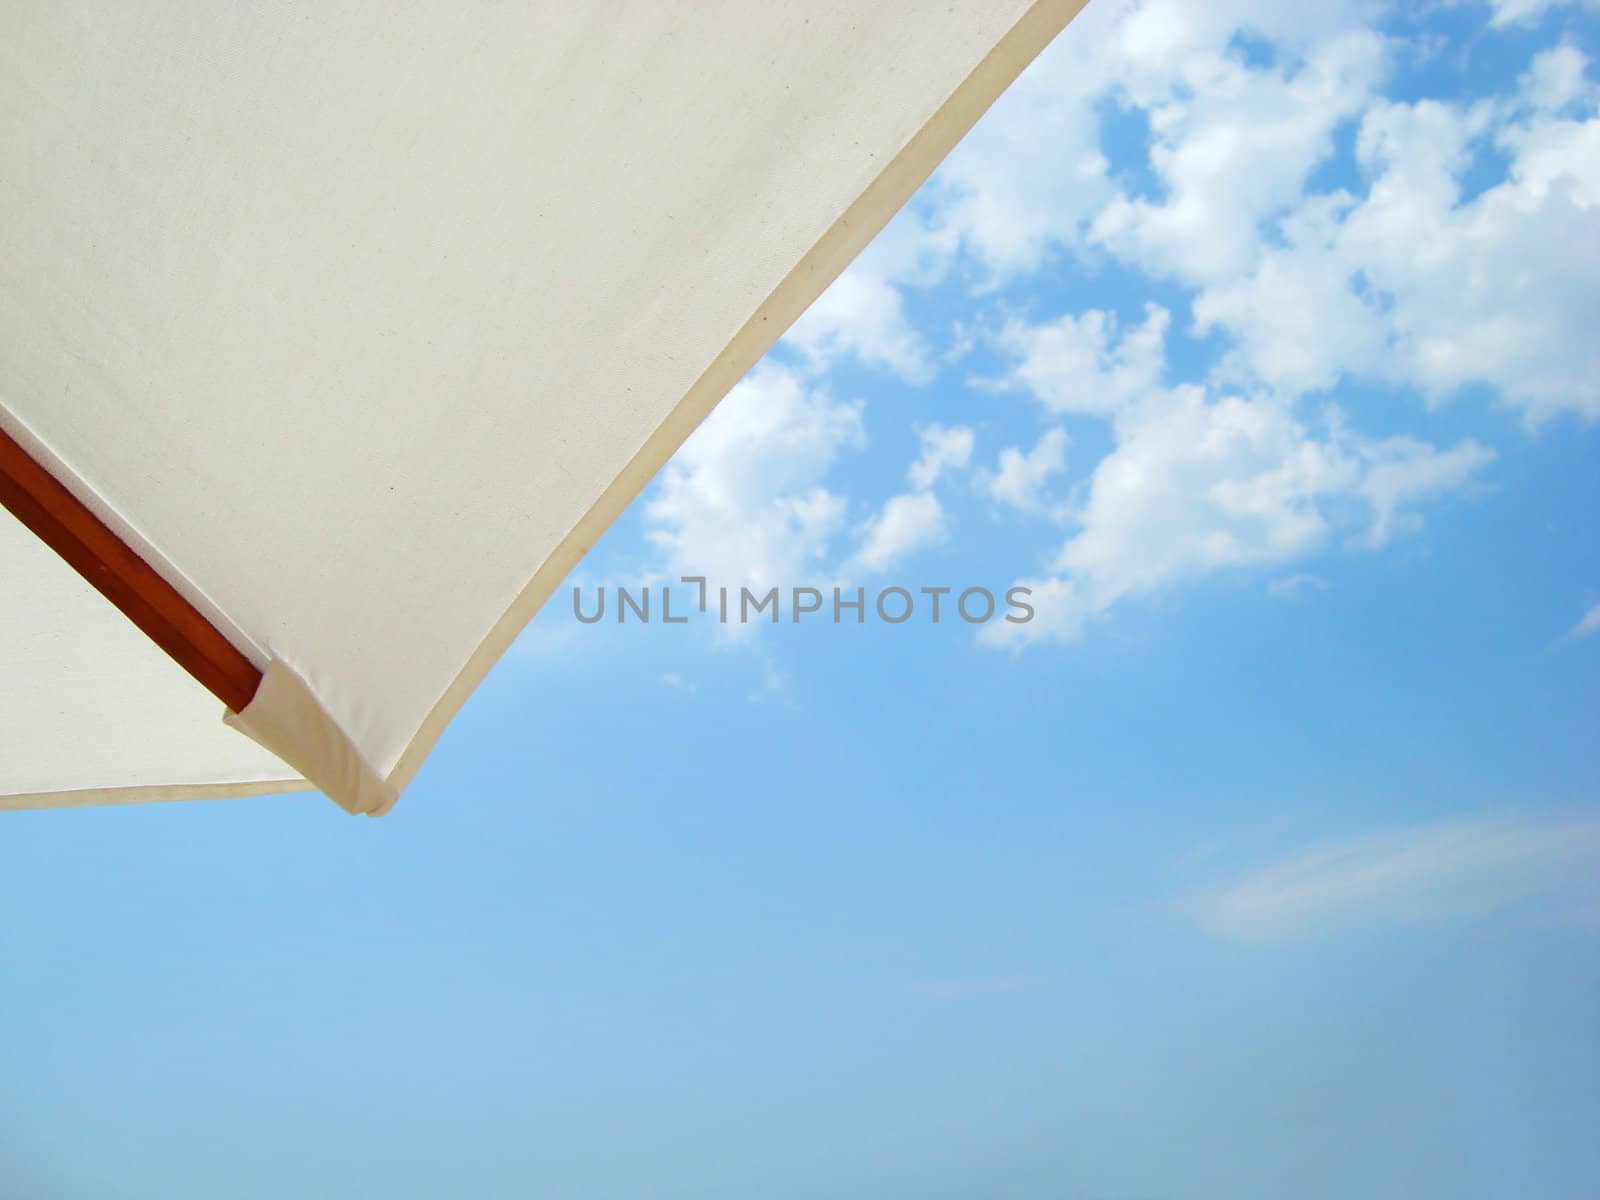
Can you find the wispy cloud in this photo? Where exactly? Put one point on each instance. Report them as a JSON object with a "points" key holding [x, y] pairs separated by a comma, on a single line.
{"points": [[1297, 586], [907, 523], [1451, 870], [1019, 478], [943, 449], [1589, 624]]}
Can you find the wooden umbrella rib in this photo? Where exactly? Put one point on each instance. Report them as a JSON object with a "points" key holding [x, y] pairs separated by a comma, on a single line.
{"points": [[62, 522]]}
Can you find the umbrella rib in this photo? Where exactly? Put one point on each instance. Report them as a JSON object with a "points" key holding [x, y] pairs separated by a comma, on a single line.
{"points": [[82, 540]]}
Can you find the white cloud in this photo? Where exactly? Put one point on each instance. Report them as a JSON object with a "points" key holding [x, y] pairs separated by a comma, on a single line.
{"points": [[1160, 48], [907, 523], [1019, 478], [1198, 483], [1195, 485], [1557, 78], [1589, 623], [942, 449], [1079, 364], [1412, 286], [1502, 289], [1234, 150], [1032, 178], [1031, 175], [1528, 12], [1458, 869], [1517, 12], [1406, 284], [862, 314], [913, 520], [1403, 470], [1297, 324], [1297, 585], [742, 502]]}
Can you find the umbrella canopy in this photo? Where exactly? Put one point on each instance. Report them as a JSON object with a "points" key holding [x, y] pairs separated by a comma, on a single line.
{"points": [[333, 333]]}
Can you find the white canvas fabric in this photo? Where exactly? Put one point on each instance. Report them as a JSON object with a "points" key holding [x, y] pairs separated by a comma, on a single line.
{"points": [[94, 712], [364, 320]]}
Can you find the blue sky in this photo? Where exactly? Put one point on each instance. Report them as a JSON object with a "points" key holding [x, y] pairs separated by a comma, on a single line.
{"points": [[1265, 861]]}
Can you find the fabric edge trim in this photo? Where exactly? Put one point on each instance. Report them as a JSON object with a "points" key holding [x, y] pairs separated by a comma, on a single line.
{"points": [[287, 719], [151, 794]]}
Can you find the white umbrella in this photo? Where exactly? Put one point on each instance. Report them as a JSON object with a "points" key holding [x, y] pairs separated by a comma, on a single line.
{"points": [[333, 333]]}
